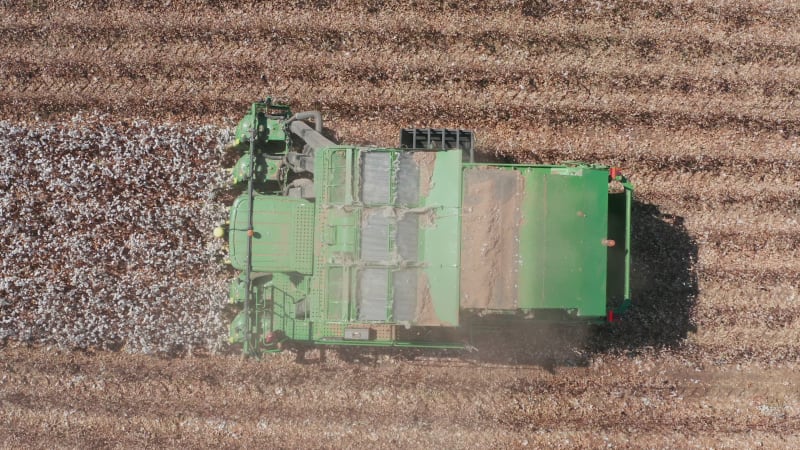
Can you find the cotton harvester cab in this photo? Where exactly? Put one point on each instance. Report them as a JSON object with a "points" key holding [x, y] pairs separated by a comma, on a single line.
{"points": [[347, 245]]}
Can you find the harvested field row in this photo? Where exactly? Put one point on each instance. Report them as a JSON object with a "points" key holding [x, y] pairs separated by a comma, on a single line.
{"points": [[757, 266], [173, 98], [559, 71], [684, 194], [760, 317], [735, 13], [604, 59], [340, 29], [751, 241], [44, 81], [714, 227], [99, 430], [224, 400], [636, 149], [755, 112], [681, 50], [732, 14], [770, 307], [740, 343], [471, 79]]}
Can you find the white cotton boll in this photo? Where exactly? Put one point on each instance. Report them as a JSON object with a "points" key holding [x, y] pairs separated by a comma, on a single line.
{"points": [[105, 216]]}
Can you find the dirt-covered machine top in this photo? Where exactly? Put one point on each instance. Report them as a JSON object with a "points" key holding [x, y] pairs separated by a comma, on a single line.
{"points": [[416, 245]]}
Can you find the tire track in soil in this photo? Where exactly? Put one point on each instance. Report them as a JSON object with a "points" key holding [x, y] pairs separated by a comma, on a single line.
{"points": [[212, 379], [178, 99], [600, 72], [338, 31], [734, 14], [228, 396]]}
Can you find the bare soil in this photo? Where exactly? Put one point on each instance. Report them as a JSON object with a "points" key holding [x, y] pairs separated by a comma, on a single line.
{"points": [[696, 101], [73, 399]]}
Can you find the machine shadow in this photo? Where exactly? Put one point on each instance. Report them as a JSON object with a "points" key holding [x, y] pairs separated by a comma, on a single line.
{"points": [[664, 285], [663, 288]]}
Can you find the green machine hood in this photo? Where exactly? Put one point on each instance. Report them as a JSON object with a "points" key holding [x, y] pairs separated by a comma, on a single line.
{"points": [[283, 234]]}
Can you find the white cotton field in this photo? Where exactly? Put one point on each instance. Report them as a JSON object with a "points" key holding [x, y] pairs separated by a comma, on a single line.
{"points": [[106, 235]]}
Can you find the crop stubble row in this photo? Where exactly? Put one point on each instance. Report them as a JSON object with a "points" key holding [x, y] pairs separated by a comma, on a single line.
{"points": [[226, 400], [278, 47]]}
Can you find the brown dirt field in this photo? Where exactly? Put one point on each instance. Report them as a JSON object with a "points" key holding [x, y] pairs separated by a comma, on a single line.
{"points": [[697, 101], [51, 398]]}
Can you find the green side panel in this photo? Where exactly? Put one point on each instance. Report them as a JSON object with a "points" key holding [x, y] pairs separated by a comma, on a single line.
{"points": [[533, 238], [283, 236], [617, 230], [562, 252], [441, 239], [336, 240], [339, 283]]}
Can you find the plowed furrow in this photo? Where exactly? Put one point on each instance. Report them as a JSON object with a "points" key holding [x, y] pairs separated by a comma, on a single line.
{"points": [[181, 97], [754, 316], [753, 265], [761, 44], [734, 343], [686, 196], [747, 242], [735, 14], [637, 151], [743, 297], [598, 74]]}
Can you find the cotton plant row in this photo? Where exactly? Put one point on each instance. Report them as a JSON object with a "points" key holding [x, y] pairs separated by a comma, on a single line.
{"points": [[106, 235]]}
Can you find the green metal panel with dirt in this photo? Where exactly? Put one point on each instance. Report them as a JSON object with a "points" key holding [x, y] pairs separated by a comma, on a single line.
{"points": [[349, 245]]}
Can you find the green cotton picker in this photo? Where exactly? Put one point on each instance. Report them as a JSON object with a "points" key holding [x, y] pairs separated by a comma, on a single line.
{"points": [[413, 246]]}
